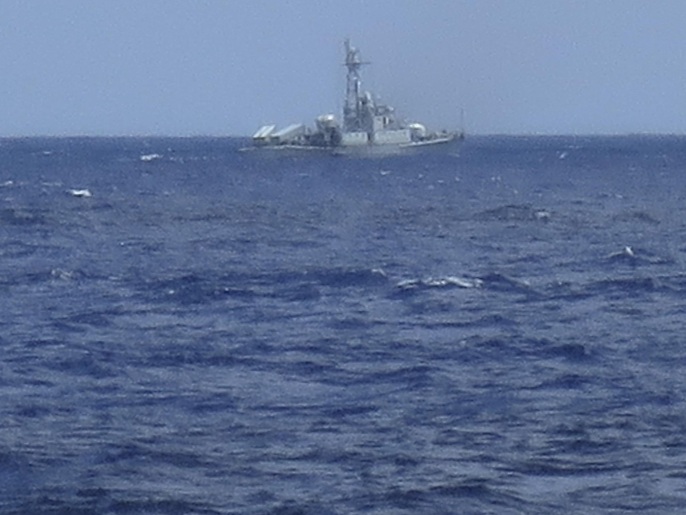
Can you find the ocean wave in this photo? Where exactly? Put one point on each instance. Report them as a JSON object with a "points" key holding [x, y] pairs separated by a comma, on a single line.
{"points": [[636, 257], [22, 217], [291, 285], [514, 213], [439, 282]]}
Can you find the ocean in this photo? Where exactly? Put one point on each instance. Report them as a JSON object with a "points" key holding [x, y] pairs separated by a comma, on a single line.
{"points": [[190, 329]]}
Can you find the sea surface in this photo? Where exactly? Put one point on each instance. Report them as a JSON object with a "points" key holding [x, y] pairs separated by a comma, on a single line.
{"points": [[498, 328]]}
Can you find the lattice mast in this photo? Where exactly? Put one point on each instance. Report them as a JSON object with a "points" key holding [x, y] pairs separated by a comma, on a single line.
{"points": [[352, 115]]}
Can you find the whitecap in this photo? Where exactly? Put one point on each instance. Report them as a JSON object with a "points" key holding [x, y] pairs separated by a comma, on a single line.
{"points": [[83, 193], [464, 283], [440, 282], [407, 284], [626, 252], [150, 157]]}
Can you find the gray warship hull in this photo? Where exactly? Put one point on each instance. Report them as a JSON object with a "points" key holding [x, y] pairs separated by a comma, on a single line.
{"points": [[450, 143]]}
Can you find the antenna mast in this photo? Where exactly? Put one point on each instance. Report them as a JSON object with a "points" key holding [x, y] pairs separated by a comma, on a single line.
{"points": [[351, 110]]}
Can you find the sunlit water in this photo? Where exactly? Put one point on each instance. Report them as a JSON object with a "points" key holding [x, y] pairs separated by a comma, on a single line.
{"points": [[185, 328]]}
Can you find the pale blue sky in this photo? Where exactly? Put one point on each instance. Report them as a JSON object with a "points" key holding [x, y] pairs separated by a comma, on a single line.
{"points": [[224, 67]]}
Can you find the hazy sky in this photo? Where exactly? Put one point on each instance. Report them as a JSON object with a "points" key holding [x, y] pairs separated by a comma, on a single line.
{"points": [[224, 67]]}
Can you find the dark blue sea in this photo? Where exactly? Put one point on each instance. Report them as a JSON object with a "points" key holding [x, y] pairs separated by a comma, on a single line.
{"points": [[190, 329]]}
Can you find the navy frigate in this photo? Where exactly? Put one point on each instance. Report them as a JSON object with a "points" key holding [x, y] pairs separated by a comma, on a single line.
{"points": [[367, 124]]}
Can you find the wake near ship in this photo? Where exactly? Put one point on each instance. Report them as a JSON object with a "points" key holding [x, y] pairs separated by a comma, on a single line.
{"points": [[367, 124]]}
